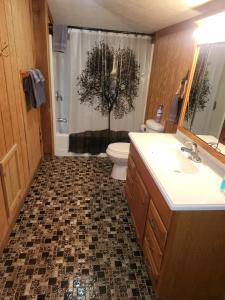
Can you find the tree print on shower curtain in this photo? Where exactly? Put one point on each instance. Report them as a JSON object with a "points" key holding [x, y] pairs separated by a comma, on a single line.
{"points": [[200, 89], [109, 83]]}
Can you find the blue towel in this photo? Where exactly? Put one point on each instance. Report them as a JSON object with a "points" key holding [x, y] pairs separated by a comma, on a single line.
{"points": [[60, 36], [37, 85]]}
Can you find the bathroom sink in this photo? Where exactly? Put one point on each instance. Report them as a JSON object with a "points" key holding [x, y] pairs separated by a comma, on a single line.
{"points": [[173, 160], [185, 184]]}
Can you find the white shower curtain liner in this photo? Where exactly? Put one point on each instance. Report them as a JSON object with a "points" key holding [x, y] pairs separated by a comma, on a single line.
{"points": [[69, 65]]}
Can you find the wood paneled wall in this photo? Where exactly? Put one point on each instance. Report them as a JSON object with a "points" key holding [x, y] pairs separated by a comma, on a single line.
{"points": [[172, 58], [20, 127]]}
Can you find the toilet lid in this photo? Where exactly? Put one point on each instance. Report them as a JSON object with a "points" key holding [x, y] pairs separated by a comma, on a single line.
{"points": [[120, 148]]}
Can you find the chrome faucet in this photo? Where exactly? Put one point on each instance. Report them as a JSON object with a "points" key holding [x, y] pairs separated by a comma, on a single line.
{"points": [[192, 149]]}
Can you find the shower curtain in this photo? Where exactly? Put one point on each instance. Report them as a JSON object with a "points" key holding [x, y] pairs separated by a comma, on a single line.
{"points": [[69, 66]]}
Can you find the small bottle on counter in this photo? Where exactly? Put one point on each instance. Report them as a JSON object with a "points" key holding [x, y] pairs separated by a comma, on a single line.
{"points": [[159, 113], [222, 186]]}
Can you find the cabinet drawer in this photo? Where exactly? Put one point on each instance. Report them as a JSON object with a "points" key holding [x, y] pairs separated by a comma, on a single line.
{"points": [[150, 263], [157, 225], [138, 199], [153, 246]]}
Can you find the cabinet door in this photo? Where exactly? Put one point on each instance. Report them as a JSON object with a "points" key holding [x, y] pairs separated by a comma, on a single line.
{"points": [[130, 183], [11, 182], [128, 190], [3, 218], [20, 38], [140, 206]]}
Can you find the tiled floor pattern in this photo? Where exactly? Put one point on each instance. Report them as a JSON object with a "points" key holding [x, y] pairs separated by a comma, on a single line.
{"points": [[73, 238]]}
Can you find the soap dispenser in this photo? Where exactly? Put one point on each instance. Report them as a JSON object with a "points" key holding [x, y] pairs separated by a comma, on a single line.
{"points": [[159, 113]]}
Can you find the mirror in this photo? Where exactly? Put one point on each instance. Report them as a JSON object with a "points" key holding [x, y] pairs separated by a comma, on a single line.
{"points": [[205, 110]]}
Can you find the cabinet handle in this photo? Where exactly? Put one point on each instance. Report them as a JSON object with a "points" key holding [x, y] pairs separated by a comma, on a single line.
{"points": [[152, 223]]}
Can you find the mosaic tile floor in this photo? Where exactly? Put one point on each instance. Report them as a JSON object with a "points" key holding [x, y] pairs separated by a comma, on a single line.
{"points": [[73, 238]]}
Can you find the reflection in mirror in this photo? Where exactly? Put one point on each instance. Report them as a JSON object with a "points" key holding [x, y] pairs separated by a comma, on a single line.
{"points": [[205, 112]]}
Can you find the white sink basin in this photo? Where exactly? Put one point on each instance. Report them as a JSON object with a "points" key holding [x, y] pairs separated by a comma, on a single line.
{"points": [[185, 185], [173, 160]]}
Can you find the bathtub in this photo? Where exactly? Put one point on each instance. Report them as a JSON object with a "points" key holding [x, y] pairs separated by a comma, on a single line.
{"points": [[62, 144], [60, 115]]}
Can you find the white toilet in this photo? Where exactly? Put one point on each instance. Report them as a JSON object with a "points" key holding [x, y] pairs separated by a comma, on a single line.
{"points": [[118, 152]]}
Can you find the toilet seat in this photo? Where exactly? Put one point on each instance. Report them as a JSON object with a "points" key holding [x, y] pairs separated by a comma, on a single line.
{"points": [[119, 149]]}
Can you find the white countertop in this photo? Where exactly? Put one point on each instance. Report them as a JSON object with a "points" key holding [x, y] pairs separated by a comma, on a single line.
{"points": [[212, 139], [197, 188]]}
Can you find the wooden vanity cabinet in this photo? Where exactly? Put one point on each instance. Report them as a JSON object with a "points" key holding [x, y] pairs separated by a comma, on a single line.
{"points": [[184, 250], [138, 199]]}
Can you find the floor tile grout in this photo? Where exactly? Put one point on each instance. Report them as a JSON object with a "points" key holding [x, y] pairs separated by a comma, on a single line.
{"points": [[73, 238]]}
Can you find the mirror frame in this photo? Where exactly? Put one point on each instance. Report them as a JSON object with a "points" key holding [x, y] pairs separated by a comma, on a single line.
{"points": [[185, 131]]}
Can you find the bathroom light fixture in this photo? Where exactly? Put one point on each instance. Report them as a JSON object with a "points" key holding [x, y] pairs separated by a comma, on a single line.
{"points": [[211, 29], [194, 3]]}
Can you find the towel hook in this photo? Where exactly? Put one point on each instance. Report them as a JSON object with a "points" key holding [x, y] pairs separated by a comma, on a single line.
{"points": [[2, 51]]}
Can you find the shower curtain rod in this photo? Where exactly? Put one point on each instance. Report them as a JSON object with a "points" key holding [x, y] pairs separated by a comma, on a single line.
{"points": [[104, 30]]}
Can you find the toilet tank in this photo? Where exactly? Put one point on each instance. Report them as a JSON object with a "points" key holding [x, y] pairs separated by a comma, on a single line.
{"points": [[153, 126]]}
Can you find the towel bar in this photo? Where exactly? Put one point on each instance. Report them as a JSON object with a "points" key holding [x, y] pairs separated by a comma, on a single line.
{"points": [[61, 120]]}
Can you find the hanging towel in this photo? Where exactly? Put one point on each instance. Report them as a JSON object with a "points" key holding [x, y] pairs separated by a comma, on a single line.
{"points": [[29, 93], [60, 36], [33, 86]]}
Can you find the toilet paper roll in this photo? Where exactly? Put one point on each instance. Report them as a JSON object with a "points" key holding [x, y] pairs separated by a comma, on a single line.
{"points": [[143, 128]]}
